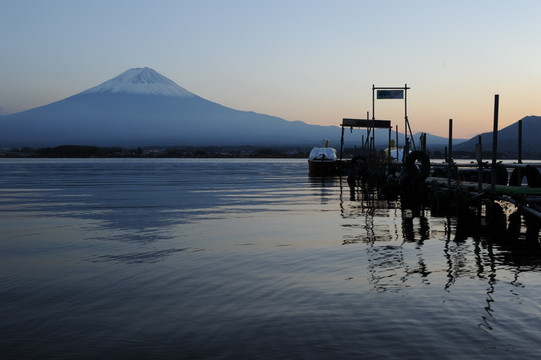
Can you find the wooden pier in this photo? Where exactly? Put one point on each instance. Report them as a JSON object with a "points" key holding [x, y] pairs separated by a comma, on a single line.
{"points": [[502, 196]]}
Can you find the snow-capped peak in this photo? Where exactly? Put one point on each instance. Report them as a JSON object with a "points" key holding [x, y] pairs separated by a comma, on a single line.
{"points": [[140, 81]]}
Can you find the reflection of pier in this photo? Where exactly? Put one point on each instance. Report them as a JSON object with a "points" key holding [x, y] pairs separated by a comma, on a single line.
{"points": [[405, 250], [439, 223], [447, 224]]}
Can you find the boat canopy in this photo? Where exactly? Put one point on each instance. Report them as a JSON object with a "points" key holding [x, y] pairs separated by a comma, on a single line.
{"points": [[323, 154]]}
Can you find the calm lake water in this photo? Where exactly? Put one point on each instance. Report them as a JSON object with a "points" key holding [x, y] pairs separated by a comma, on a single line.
{"points": [[223, 259]]}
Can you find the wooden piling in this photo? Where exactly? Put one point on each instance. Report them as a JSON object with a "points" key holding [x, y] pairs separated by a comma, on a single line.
{"points": [[450, 155], [479, 156], [494, 143], [341, 144], [389, 155], [396, 135], [520, 141]]}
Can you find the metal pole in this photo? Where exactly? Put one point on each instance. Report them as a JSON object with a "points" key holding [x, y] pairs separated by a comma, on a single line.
{"points": [[494, 143]]}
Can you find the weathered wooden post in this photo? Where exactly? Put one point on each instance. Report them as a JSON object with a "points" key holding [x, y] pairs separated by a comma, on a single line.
{"points": [[406, 150], [520, 141], [494, 144], [342, 143], [406, 123], [389, 154], [369, 132], [479, 156], [396, 134], [450, 155]]}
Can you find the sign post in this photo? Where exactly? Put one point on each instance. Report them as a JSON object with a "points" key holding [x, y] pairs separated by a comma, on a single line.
{"points": [[391, 93]]}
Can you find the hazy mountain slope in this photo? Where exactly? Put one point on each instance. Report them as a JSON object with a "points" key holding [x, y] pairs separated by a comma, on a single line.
{"points": [[508, 137], [141, 107], [136, 120]]}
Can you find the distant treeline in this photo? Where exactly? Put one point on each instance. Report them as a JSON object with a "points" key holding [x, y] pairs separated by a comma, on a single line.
{"points": [[81, 151]]}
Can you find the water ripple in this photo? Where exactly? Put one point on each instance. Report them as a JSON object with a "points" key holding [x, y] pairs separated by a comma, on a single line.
{"points": [[141, 257]]}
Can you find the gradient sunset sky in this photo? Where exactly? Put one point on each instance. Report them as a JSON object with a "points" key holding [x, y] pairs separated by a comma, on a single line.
{"points": [[314, 61]]}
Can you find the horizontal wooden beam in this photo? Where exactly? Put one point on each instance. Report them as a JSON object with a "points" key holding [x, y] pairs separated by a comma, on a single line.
{"points": [[379, 124]]}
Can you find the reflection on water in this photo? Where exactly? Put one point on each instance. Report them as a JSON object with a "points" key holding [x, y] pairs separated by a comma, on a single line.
{"points": [[395, 266], [250, 259]]}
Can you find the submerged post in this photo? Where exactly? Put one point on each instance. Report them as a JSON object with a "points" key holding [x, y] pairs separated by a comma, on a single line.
{"points": [[494, 143]]}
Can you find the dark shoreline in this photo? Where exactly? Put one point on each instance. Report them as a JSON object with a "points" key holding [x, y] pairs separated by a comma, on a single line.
{"points": [[82, 151], [246, 151]]}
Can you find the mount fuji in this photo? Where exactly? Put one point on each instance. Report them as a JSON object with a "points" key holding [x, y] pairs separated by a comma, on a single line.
{"points": [[141, 107]]}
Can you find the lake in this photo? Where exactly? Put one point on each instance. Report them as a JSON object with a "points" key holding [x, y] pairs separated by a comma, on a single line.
{"points": [[245, 258]]}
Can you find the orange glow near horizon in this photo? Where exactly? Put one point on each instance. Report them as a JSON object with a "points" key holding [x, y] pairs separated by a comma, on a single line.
{"points": [[314, 62]]}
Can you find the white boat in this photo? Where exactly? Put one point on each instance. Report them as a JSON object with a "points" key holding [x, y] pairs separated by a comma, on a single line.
{"points": [[323, 161]]}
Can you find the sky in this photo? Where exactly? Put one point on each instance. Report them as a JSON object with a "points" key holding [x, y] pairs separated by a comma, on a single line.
{"points": [[310, 60]]}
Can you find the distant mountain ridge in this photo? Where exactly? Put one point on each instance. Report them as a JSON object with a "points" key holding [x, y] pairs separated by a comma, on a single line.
{"points": [[508, 138], [141, 107]]}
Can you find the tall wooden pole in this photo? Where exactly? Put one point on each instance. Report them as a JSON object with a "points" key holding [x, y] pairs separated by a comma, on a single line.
{"points": [[373, 102], [389, 154], [342, 143], [396, 135], [406, 124], [494, 143], [479, 156], [450, 155], [520, 141], [450, 140]]}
